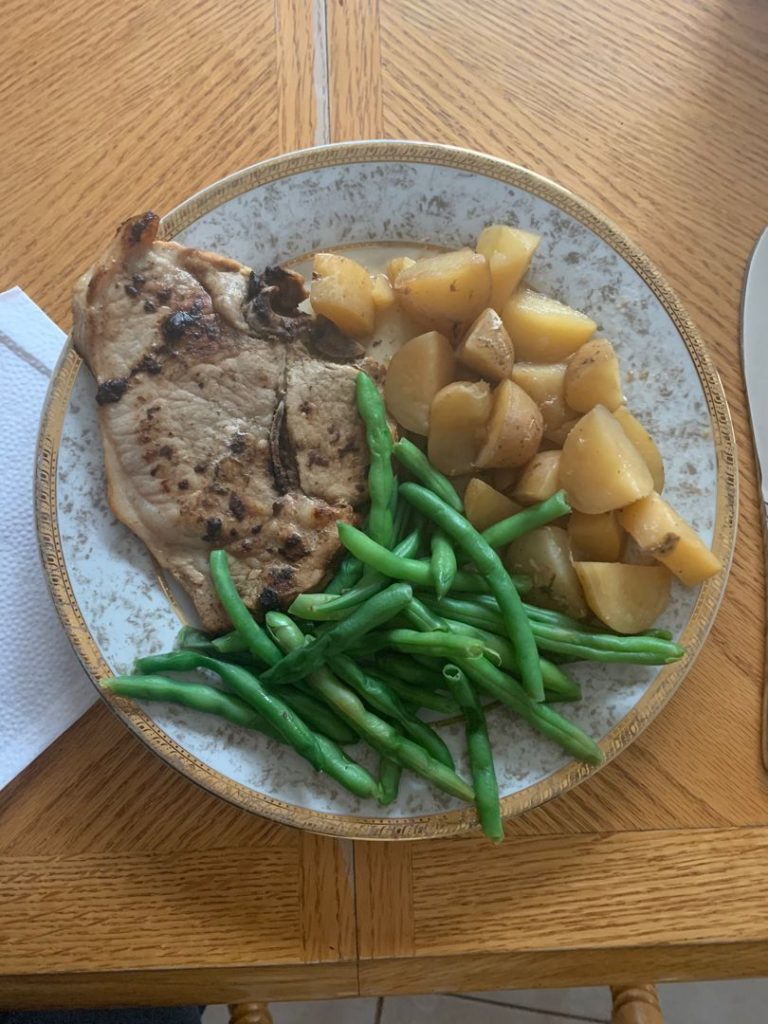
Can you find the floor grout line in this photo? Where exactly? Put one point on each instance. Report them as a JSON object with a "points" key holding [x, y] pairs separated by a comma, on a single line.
{"points": [[553, 1014]]}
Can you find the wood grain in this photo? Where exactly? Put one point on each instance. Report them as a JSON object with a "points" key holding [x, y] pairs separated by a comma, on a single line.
{"points": [[122, 882]]}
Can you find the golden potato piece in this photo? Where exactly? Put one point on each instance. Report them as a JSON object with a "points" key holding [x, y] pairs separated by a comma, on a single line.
{"points": [[545, 383], [545, 556], [509, 252], [543, 330], [484, 506], [556, 435], [540, 479], [644, 443], [382, 294], [598, 538], [342, 290], [505, 479], [600, 468], [417, 371], [458, 421], [514, 430], [486, 347], [627, 598], [661, 532], [593, 377], [452, 287], [397, 266]]}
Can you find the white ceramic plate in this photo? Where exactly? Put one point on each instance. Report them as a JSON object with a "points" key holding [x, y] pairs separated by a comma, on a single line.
{"points": [[105, 584]]}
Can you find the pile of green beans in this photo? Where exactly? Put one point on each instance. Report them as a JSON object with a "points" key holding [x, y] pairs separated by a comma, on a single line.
{"points": [[420, 616]]}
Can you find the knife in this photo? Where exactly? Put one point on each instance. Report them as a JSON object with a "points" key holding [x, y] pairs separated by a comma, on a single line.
{"points": [[754, 356]]}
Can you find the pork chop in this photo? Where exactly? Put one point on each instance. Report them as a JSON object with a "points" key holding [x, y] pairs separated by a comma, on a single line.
{"points": [[222, 426]]}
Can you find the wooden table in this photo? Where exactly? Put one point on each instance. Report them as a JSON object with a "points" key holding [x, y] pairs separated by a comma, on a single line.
{"points": [[122, 882]]}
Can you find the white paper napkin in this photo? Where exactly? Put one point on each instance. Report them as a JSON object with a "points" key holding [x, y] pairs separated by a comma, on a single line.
{"points": [[43, 686]]}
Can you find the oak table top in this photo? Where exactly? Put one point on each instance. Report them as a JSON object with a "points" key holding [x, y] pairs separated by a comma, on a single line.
{"points": [[122, 882]]}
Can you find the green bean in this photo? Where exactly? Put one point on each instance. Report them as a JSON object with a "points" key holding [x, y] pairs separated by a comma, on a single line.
{"points": [[389, 779], [347, 575], [529, 519], [434, 644], [199, 696], [382, 698], [323, 607], [317, 716], [340, 636], [479, 752], [259, 644], [540, 716], [409, 669], [416, 696], [443, 563], [414, 460], [412, 570], [376, 731], [476, 548], [322, 753], [382, 485], [418, 616]]}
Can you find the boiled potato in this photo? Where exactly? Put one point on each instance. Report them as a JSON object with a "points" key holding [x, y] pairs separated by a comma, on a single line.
{"points": [[458, 421], [342, 290], [453, 287], [540, 479], [508, 251], [397, 266], [484, 506], [382, 293], [417, 371], [514, 430], [545, 383], [597, 538], [543, 330], [556, 436], [486, 347], [545, 556], [644, 443], [627, 598], [600, 468], [505, 479], [593, 378], [661, 532]]}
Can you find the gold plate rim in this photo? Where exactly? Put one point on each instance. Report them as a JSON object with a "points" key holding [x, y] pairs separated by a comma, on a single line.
{"points": [[663, 686]]}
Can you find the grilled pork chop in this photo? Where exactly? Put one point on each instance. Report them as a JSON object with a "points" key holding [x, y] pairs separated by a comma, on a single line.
{"points": [[222, 426]]}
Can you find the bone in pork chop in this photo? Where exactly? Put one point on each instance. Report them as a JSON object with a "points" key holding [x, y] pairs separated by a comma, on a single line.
{"points": [[221, 425]]}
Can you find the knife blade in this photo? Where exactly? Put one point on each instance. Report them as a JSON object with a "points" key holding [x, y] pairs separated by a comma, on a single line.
{"points": [[754, 357]]}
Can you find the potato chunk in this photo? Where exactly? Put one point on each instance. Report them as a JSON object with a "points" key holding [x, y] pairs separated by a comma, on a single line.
{"points": [[543, 330], [342, 290], [593, 377], [484, 506], [545, 556], [458, 421], [453, 287], [382, 294], [509, 252], [486, 347], [627, 598], [514, 430], [600, 468], [417, 371], [540, 479], [545, 383], [397, 266], [597, 538], [661, 532], [644, 443]]}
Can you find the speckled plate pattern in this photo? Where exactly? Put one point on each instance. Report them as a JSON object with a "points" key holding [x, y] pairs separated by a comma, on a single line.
{"points": [[115, 605]]}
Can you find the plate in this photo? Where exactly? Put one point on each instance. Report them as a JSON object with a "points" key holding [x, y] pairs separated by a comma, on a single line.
{"points": [[114, 604]]}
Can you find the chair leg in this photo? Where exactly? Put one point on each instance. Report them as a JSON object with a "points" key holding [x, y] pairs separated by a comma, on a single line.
{"points": [[636, 1004], [249, 1013]]}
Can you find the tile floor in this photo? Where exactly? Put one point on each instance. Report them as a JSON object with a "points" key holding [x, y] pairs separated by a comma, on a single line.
{"points": [[716, 1002]]}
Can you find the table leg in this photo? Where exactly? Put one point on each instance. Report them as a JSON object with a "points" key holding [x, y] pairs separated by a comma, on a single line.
{"points": [[249, 1013], [636, 1004]]}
